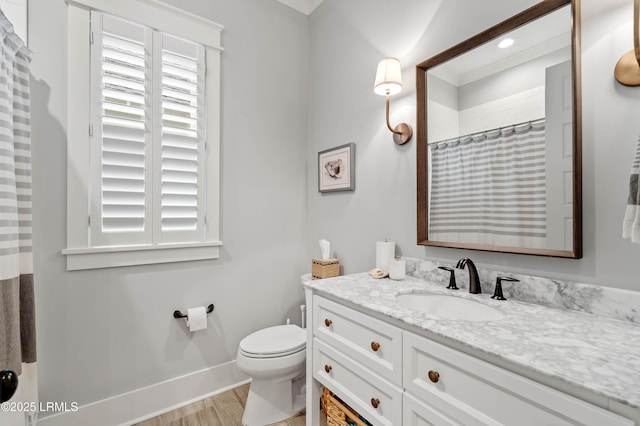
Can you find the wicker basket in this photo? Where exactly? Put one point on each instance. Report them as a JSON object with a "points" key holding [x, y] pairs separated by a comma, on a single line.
{"points": [[324, 268], [338, 413]]}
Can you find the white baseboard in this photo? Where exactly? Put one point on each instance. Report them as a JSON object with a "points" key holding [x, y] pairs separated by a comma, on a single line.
{"points": [[151, 401]]}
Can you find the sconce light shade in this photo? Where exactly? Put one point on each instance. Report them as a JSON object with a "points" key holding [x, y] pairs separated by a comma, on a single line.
{"points": [[627, 69], [389, 82], [388, 77]]}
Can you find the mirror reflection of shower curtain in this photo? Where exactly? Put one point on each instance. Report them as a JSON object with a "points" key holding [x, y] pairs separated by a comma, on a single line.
{"points": [[17, 314], [490, 188]]}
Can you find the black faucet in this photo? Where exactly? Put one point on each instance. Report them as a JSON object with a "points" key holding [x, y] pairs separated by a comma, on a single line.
{"points": [[474, 281], [497, 294], [452, 277]]}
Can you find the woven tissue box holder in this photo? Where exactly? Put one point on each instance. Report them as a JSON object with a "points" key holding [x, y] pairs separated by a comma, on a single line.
{"points": [[324, 268]]}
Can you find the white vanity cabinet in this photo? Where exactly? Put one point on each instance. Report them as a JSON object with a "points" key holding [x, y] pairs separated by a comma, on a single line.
{"points": [[360, 359], [393, 376]]}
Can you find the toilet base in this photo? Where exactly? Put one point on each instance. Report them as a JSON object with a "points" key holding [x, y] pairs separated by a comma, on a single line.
{"points": [[270, 401]]}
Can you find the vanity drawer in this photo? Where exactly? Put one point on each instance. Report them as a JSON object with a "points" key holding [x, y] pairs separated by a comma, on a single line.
{"points": [[377, 400], [441, 376], [418, 413], [375, 344]]}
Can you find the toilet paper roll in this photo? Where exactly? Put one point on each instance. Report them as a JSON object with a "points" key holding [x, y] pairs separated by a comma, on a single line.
{"points": [[385, 253], [197, 318]]}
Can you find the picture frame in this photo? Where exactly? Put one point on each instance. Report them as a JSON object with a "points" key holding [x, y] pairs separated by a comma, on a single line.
{"points": [[336, 168]]}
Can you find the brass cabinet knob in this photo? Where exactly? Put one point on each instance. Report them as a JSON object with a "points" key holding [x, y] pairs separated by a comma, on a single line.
{"points": [[375, 402], [327, 368], [375, 346], [434, 376], [328, 322]]}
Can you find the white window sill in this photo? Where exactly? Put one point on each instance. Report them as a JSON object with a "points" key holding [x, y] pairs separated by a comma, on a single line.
{"points": [[109, 257]]}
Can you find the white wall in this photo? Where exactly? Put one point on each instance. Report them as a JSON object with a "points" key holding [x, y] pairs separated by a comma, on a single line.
{"points": [[508, 97], [524, 106], [442, 110], [511, 81], [105, 332], [343, 108]]}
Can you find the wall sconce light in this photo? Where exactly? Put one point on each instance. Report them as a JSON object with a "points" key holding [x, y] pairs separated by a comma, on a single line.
{"points": [[389, 82], [627, 69]]}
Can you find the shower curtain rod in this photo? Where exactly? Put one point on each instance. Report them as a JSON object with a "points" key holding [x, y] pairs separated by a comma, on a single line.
{"points": [[486, 131]]}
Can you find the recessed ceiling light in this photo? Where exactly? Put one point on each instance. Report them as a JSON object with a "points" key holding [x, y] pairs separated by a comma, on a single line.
{"points": [[505, 43]]}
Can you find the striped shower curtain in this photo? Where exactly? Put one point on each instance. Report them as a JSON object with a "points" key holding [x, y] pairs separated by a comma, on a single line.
{"points": [[490, 188], [17, 317]]}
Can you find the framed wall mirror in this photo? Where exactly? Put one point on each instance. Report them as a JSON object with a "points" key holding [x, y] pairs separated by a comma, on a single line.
{"points": [[499, 137]]}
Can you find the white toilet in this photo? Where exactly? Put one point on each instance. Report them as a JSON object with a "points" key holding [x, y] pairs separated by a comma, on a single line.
{"points": [[274, 357]]}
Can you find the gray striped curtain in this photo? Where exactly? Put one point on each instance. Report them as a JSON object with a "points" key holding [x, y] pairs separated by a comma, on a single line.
{"points": [[490, 188], [631, 222], [17, 316]]}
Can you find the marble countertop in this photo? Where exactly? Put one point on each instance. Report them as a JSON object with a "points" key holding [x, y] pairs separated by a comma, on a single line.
{"points": [[596, 353]]}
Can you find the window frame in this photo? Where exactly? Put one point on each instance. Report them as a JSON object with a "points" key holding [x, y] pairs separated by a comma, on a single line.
{"points": [[173, 21]]}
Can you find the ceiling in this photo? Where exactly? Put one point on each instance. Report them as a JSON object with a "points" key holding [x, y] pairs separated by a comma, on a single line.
{"points": [[302, 6], [590, 9], [544, 35]]}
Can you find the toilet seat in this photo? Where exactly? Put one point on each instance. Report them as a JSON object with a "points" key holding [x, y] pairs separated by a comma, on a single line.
{"points": [[272, 342]]}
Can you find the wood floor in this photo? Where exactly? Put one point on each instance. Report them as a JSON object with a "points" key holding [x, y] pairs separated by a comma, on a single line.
{"points": [[224, 409]]}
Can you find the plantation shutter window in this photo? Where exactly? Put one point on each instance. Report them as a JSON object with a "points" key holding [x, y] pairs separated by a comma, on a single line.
{"points": [[182, 142], [148, 135], [143, 126], [121, 142]]}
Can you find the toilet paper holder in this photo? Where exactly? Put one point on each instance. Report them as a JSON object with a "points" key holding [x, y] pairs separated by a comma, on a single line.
{"points": [[178, 314]]}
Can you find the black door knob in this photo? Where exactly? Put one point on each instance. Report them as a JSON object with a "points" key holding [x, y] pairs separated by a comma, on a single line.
{"points": [[8, 384]]}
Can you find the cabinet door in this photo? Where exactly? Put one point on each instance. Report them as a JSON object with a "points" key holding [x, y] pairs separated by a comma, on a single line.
{"points": [[374, 343], [473, 385]]}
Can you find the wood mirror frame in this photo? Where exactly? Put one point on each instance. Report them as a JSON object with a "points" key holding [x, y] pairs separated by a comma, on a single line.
{"points": [[528, 15]]}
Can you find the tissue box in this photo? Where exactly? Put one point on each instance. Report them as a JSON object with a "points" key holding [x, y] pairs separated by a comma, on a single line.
{"points": [[324, 268]]}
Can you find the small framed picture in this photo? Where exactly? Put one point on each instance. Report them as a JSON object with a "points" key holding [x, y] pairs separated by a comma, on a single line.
{"points": [[336, 168]]}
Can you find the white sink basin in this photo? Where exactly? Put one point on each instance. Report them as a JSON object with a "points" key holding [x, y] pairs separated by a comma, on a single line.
{"points": [[449, 307]]}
